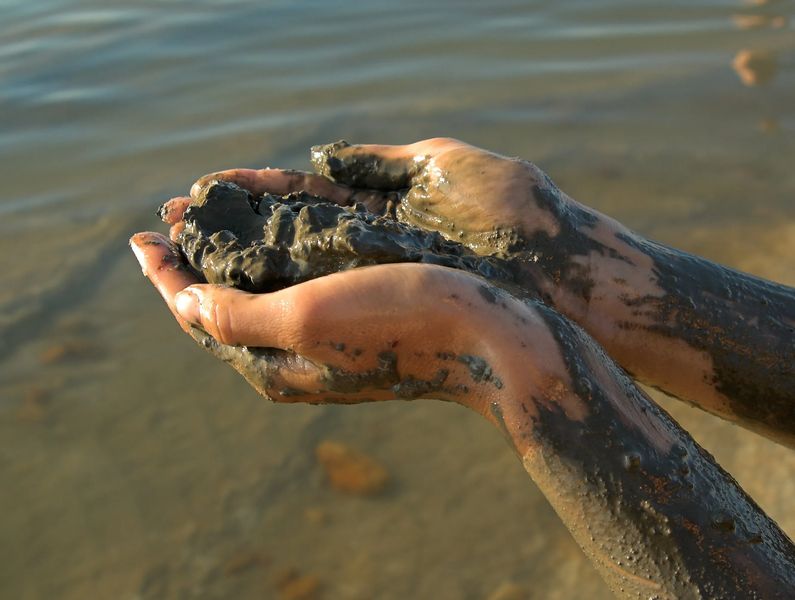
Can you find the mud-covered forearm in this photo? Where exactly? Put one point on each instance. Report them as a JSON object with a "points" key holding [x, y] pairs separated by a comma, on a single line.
{"points": [[710, 335], [742, 326], [655, 513]]}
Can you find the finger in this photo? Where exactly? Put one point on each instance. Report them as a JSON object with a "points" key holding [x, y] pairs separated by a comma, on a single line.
{"points": [[171, 212], [289, 377], [277, 181], [162, 263], [227, 319], [238, 318], [370, 166], [175, 230], [283, 181]]}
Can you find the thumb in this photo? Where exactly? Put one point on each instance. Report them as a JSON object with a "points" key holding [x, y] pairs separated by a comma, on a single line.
{"points": [[236, 318], [368, 166]]}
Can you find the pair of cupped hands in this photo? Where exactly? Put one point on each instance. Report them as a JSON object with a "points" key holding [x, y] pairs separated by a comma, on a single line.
{"points": [[328, 337]]}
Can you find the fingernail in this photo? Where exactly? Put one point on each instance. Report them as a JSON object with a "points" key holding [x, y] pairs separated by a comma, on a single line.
{"points": [[195, 189], [188, 306], [139, 255]]}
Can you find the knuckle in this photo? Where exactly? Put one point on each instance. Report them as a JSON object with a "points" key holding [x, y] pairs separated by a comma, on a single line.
{"points": [[441, 141], [303, 320], [219, 321]]}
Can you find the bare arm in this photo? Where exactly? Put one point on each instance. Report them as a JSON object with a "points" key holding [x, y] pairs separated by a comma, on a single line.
{"points": [[654, 512], [712, 336], [716, 337]]}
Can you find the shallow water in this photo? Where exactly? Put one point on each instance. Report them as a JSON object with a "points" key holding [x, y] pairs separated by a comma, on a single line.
{"points": [[134, 466]]}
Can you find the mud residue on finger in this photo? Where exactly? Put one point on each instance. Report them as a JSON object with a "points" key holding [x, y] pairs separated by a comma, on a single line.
{"points": [[259, 366], [358, 167]]}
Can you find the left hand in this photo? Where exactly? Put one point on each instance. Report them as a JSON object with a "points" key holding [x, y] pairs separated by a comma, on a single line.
{"points": [[374, 333], [494, 205]]}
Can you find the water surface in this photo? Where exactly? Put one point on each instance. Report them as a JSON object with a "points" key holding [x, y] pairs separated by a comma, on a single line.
{"points": [[134, 466]]}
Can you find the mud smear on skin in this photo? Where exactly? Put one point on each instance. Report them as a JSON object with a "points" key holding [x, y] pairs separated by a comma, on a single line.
{"points": [[264, 367], [750, 336], [261, 244], [651, 514], [554, 257], [539, 258], [265, 243], [367, 172], [751, 329]]}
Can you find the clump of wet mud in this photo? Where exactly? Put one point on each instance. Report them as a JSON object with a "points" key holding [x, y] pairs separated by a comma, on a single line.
{"points": [[265, 243]]}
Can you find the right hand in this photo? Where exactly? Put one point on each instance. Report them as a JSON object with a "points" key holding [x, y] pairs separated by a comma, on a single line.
{"points": [[490, 203], [442, 184]]}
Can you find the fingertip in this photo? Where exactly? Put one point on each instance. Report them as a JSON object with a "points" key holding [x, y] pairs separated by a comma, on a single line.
{"points": [[196, 188], [201, 182], [248, 179], [138, 239], [173, 210], [324, 158], [148, 238], [188, 304], [175, 230], [138, 243], [138, 252]]}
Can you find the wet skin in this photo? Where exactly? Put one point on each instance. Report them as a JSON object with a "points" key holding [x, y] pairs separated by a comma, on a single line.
{"points": [[714, 337], [653, 511], [264, 243]]}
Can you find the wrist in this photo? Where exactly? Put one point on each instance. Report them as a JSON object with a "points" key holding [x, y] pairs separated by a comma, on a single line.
{"points": [[521, 343]]}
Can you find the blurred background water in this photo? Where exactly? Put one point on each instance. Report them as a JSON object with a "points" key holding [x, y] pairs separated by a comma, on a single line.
{"points": [[132, 465]]}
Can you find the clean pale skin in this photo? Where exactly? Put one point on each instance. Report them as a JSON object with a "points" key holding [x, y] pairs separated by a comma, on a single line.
{"points": [[653, 511]]}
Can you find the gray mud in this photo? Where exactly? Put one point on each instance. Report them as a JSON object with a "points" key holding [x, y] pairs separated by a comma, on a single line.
{"points": [[262, 244]]}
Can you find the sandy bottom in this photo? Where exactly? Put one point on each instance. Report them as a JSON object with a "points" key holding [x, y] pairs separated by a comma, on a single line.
{"points": [[141, 468], [134, 466]]}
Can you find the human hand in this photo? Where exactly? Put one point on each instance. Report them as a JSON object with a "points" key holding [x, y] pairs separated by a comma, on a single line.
{"points": [[375, 333], [469, 194], [669, 318], [493, 204], [589, 438]]}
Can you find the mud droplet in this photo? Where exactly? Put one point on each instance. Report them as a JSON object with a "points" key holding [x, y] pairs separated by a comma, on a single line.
{"points": [[723, 522], [631, 461], [585, 385], [487, 294]]}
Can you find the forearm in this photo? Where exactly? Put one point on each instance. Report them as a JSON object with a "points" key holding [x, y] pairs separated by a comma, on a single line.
{"points": [[707, 334], [655, 513]]}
